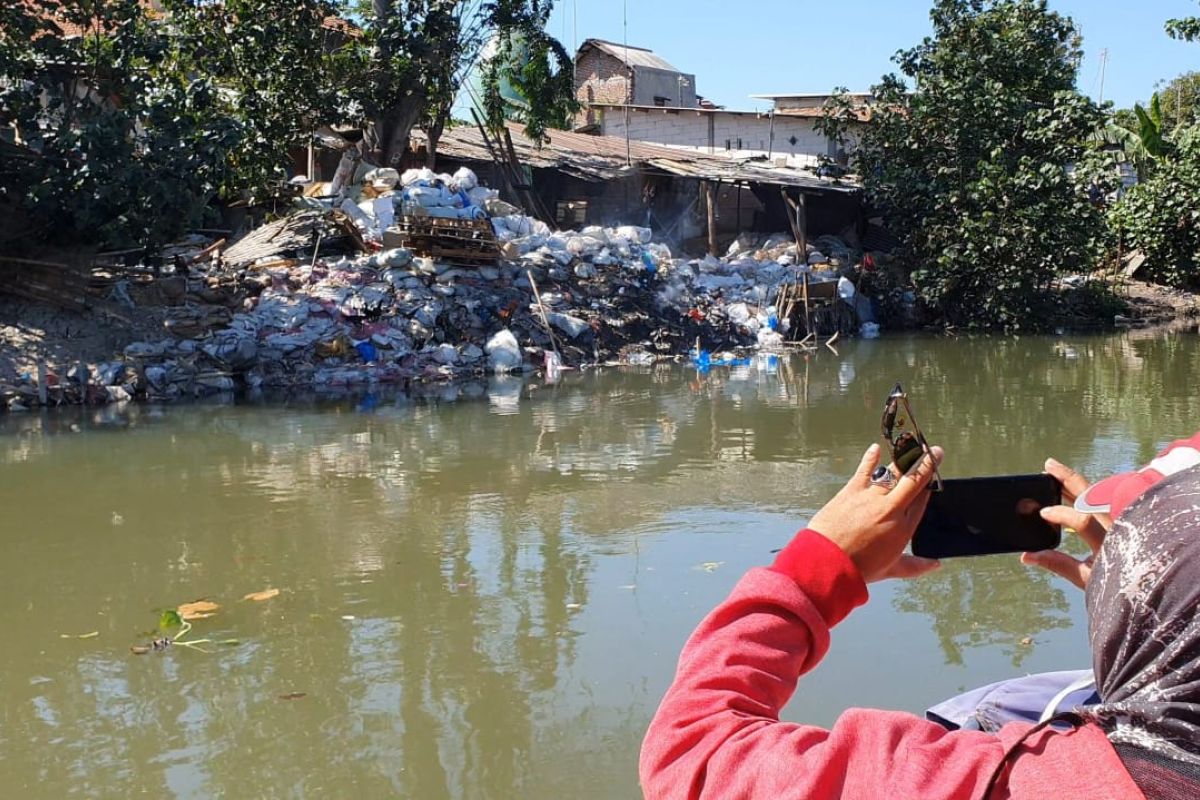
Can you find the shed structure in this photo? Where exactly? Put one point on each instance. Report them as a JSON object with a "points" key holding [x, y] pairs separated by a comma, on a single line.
{"points": [[692, 198]]}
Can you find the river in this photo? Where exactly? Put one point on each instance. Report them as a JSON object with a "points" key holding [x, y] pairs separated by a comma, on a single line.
{"points": [[483, 591]]}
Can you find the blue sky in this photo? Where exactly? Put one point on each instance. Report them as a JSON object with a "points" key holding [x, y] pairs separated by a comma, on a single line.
{"points": [[737, 49]]}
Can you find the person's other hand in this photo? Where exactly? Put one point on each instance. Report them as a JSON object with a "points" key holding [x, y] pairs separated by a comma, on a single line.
{"points": [[873, 523], [1091, 528]]}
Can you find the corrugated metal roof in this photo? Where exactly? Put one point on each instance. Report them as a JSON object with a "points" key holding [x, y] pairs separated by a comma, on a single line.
{"points": [[631, 56], [598, 158]]}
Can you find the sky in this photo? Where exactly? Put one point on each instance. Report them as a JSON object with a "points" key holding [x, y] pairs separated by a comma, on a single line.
{"points": [[737, 49]]}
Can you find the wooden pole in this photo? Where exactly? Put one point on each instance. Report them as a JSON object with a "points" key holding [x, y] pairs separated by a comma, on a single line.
{"points": [[83, 382], [542, 309], [807, 309], [43, 391], [709, 195], [802, 228]]}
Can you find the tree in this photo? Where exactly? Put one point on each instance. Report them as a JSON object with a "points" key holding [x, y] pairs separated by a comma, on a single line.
{"points": [[972, 167], [123, 156], [145, 119], [1186, 28], [416, 55], [1179, 98]]}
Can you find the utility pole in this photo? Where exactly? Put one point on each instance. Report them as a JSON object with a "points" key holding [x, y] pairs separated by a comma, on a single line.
{"points": [[629, 88], [1103, 70]]}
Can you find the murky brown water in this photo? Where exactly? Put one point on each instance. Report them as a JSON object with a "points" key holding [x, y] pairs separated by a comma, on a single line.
{"points": [[485, 597]]}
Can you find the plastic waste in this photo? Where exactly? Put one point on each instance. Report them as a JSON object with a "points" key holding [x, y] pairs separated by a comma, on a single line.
{"points": [[504, 353], [572, 326], [649, 262], [552, 365], [465, 180], [382, 179], [367, 351]]}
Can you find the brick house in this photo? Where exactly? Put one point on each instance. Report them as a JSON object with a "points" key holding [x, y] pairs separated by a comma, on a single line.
{"points": [[615, 74]]}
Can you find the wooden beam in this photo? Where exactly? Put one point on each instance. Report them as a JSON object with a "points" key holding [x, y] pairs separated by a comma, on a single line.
{"points": [[710, 197]]}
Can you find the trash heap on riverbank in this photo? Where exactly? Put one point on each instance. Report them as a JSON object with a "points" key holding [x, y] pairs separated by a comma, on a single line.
{"points": [[279, 309]]}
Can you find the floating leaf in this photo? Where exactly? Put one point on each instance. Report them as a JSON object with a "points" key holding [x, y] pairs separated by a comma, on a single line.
{"points": [[170, 618], [229, 642], [265, 594], [197, 609], [711, 566], [293, 695], [139, 650]]}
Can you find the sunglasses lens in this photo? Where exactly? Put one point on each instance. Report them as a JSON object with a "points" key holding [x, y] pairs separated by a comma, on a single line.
{"points": [[889, 417], [906, 451]]}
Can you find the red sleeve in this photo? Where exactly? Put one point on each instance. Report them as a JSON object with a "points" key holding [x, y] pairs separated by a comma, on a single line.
{"points": [[717, 733]]}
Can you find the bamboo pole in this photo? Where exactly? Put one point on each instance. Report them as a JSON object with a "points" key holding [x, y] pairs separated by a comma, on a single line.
{"points": [[542, 310]]}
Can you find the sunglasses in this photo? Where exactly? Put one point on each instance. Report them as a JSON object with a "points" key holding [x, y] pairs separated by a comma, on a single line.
{"points": [[904, 436]]}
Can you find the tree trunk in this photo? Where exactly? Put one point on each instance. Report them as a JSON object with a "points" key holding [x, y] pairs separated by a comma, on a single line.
{"points": [[388, 136], [433, 135]]}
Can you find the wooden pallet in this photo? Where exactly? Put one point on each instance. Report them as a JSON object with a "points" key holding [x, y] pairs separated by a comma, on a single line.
{"points": [[461, 241]]}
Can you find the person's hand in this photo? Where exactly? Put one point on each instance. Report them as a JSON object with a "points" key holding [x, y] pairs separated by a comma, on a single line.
{"points": [[873, 523], [1092, 528]]}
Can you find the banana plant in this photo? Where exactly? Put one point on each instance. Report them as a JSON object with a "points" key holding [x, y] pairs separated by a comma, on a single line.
{"points": [[1151, 131]]}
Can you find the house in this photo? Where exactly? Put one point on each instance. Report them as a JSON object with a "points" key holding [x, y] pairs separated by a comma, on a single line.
{"points": [[617, 74], [787, 131]]}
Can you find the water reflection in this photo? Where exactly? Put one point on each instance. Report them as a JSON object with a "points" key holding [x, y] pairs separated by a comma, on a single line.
{"points": [[455, 565]]}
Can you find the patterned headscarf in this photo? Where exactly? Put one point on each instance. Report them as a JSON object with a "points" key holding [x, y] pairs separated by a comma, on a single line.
{"points": [[1143, 600]]}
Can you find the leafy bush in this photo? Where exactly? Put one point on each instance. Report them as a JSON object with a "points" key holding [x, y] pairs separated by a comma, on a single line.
{"points": [[1161, 216]]}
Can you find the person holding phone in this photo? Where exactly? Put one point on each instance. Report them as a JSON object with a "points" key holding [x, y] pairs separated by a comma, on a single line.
{"points": [[717, 732]]}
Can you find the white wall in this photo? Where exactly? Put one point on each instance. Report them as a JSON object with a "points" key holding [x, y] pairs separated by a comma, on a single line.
{"points": [[691, 129]]}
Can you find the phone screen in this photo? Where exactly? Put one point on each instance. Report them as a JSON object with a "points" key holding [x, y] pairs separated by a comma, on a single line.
{"points": [[984, 516]]}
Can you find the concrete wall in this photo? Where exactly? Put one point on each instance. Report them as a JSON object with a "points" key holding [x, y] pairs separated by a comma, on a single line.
{"points": [[719, 130], [817, 101], [650, 83]]}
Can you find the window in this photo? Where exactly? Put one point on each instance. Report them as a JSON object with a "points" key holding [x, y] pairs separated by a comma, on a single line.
{"points": [[661, 102]]}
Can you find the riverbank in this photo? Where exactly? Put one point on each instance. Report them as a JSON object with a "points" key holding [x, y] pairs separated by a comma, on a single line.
{"points": [[301, 321], [623, 317]]}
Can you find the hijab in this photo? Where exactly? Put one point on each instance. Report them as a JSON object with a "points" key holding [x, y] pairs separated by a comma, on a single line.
{"points": [[1142, 600]]}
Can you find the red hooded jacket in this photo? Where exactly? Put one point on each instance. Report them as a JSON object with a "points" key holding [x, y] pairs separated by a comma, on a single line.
{"points": [[717, 733]]}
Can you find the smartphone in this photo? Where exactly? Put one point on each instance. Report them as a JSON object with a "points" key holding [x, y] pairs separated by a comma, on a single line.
{"points": [[985, 516]]}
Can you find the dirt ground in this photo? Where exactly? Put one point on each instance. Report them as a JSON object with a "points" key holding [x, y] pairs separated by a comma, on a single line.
{"points": [[30, 331], [1151, 304]]}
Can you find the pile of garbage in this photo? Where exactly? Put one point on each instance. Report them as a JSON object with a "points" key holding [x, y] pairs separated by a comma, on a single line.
{"points": [[379, 195], [310, 319]]}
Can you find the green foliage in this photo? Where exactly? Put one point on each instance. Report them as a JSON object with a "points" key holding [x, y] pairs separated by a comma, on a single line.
{"points": [[152, 117], [169, 619], [1187, 29], [144, 121], [837, 115], [1178, 98], [1151, 130], [419, 52], [273, 74], [972, 167], [1161, 217]]}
